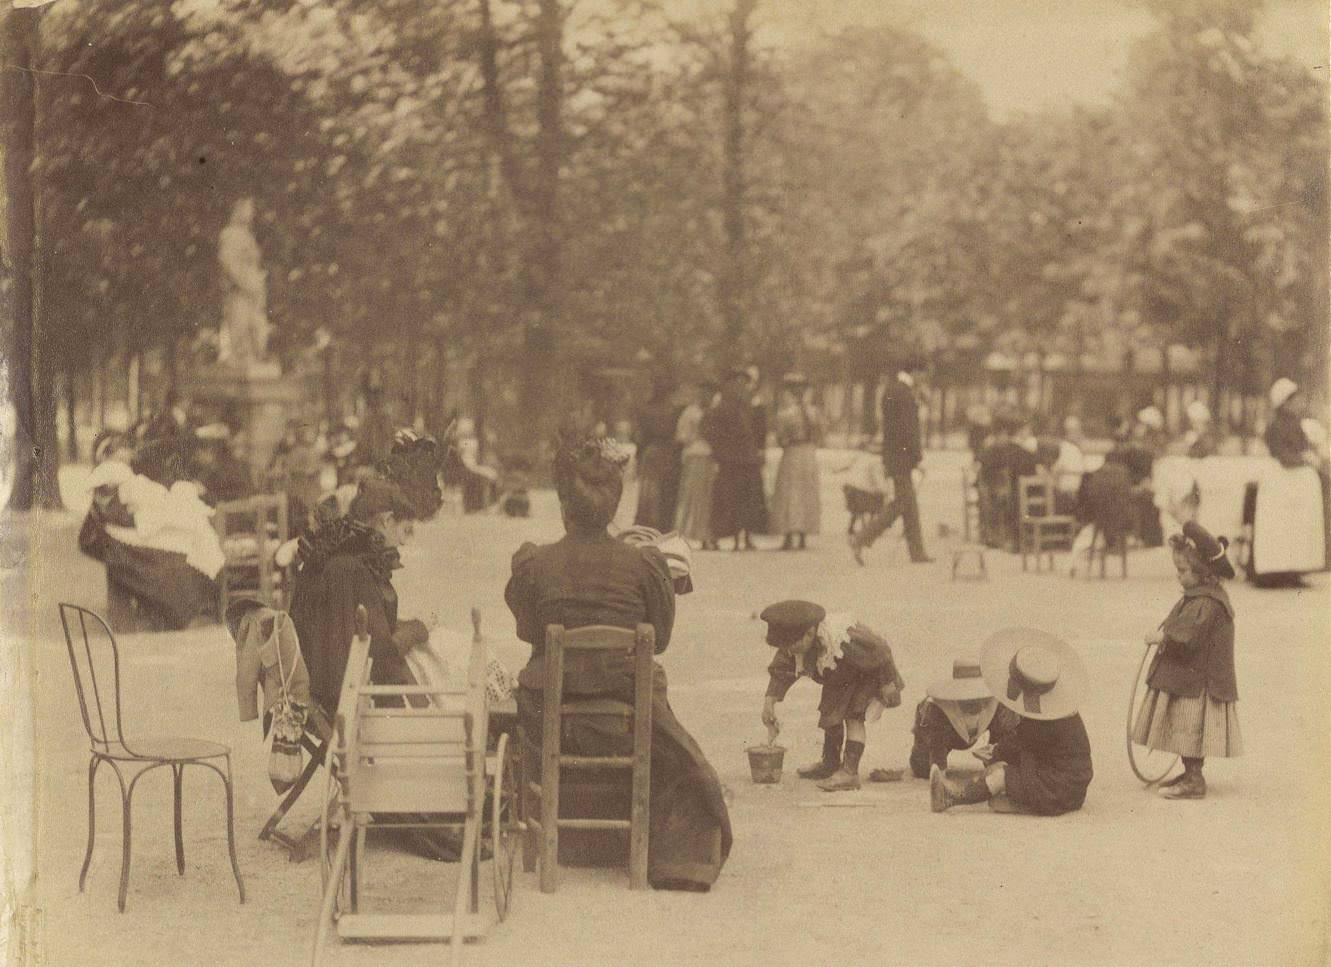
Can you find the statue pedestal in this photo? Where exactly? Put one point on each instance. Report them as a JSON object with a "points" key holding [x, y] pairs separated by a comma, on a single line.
{"points": [[262, 398]]}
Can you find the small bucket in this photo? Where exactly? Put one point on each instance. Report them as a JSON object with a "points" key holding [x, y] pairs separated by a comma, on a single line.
{"points": [[765, 763]]}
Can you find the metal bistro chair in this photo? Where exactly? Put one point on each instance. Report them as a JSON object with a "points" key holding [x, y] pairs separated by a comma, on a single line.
{"points": [[540, 800], [1040, 530], [103, 722]]}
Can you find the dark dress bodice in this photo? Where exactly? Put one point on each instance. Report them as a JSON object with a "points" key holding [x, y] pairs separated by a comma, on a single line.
{"points": [[586, 580]]}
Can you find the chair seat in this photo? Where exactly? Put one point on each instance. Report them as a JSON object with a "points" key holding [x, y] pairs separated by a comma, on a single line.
{"points": [[597, 706], [166, 749]]}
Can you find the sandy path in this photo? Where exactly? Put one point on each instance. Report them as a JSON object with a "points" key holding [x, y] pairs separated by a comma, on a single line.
{"points": [[1241, 878]]}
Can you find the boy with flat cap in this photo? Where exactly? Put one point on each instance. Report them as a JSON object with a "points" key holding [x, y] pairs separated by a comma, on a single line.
{"points": [[852, 663]]}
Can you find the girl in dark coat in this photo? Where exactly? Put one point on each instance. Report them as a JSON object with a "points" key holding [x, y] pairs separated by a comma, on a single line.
{"points": [[1043, 766], [590, 578], [1190, 702]]}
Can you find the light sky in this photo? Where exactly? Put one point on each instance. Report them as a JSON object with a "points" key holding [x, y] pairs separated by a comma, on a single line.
{"points": [[1028, 54]]}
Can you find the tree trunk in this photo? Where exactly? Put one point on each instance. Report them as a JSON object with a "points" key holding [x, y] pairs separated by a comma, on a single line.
{"points": [[20, 41], [540, 344], [536, 194], [71, 413], [733, 277]]}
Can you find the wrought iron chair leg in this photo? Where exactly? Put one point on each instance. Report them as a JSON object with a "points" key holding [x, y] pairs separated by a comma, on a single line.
{"points": [[231, 829], [93, 763], [178, 775], [126, 797]]}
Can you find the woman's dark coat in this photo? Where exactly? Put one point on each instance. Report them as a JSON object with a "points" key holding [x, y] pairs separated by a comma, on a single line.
{"points": [[594, 579], [345, 565]]}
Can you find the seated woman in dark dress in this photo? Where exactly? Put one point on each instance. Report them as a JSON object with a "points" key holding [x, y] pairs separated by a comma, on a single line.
{"points": [[349, 561], [590, 578]]}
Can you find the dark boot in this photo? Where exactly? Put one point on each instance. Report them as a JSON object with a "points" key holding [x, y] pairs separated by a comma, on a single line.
{"points": [[789, 543], [831, 760], [802, 545], [944, 793], [848, 776], [1190, 785]]}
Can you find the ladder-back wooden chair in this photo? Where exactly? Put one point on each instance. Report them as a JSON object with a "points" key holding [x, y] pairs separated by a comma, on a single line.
{"points": [[95, 661], [420, 764], [1040, 530], [970, 505], [251, 530], [541, 798]]}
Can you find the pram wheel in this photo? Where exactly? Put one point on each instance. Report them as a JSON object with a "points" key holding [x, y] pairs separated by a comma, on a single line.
{"points": [[505, 826], [1148, 765]]}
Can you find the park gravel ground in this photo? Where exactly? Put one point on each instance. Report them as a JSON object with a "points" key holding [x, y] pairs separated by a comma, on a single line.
{"points": [[1242, 878]]}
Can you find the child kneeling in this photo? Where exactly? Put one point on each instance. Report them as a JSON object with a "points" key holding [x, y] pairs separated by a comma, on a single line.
{"points": [[855, 667]]}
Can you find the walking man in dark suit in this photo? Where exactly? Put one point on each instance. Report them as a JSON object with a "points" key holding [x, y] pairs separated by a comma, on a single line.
{"points": [[902, 452]]}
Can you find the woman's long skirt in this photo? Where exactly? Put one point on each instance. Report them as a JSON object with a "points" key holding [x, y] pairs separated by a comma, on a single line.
{"points": [[689, 837], [795, 499], [693, 515], [1199, 727], [738, 501], [658, 481]]}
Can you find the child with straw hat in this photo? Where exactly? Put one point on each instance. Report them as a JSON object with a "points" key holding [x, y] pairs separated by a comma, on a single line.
{"points": [[1043, 766]]}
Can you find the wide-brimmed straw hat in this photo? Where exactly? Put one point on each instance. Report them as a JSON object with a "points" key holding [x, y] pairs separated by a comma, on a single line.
{"points": [[967, 683], [1034, 673]]}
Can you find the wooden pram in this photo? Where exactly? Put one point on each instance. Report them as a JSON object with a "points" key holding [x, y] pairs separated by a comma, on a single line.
{"points": [[420, 765]]}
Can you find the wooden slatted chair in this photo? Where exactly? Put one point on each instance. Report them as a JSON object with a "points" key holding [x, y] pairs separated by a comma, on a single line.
{"points": [[417, 764], [1041, 531], [251, 530], [540, 800]]}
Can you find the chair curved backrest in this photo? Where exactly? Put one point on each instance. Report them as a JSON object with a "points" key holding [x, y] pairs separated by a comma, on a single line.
{"points": [[91, 644]]}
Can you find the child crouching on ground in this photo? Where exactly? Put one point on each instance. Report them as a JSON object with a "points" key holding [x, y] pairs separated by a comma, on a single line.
{"points": [[853, 664], [1192, 693], [954, 714]]}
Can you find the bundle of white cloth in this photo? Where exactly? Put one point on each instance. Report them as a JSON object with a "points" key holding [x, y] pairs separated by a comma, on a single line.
{"points": [[173, 519]]}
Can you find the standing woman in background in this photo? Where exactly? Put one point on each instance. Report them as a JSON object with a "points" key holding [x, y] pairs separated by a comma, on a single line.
{"points": [[693, 513], [799, 431]]}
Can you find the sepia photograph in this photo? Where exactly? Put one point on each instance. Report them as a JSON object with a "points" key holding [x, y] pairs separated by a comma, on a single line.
{"points": [[757, 483]]}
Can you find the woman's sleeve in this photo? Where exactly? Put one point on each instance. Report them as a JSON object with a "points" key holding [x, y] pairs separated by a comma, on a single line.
{"points": [[659, 591], [1184, 630], [521, 598]]}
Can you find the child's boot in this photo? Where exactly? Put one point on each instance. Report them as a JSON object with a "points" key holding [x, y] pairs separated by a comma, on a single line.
{"points": [[1190, 785], [831, 760], [943, 793], [848, 776]]}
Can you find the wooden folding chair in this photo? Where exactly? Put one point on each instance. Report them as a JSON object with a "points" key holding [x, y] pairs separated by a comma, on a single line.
{"points": [[1040, 531], [540, 800], [418, 766]]}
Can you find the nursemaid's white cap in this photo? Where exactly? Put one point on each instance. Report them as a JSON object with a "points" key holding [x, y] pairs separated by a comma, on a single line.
{"points": [[1281, 390]]}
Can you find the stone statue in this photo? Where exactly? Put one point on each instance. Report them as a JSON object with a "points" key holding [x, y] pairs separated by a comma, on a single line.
{"points": [[243, 338]]}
